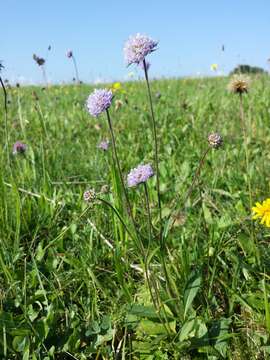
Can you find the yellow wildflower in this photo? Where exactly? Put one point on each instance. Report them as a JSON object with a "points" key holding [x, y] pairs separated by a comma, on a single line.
{"points": [[214, 67], [116, 86], [262, 211]]}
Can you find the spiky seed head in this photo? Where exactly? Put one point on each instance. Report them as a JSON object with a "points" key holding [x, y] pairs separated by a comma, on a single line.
{"points": [[239, 84], [215, 140], [89, 195]]}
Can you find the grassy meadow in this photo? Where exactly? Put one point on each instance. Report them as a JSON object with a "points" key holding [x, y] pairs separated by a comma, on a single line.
{"points": [[76, 281]]}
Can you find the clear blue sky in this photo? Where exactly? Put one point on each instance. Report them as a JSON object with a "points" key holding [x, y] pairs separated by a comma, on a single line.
{"points": [[190, 33]]}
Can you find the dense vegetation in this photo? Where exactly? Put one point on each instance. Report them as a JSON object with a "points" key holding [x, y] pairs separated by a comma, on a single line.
{"points": [[73, 284], [248, 69]]}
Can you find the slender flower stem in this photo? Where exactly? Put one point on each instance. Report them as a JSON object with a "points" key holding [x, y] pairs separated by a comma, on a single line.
{"points": [[129, 209], [44, 75], [196, 176], [147, 205], [155, 145], [244, 129], [76, 69], [6, 119]]}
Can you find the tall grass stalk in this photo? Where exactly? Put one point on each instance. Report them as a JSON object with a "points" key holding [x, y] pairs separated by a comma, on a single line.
{"points": [[6, 120]]}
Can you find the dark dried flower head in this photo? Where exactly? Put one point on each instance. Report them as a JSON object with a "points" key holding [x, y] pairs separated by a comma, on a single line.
{"points": [[215, 140], [239, 84], [19, 148], [89, 195], [138, 47], [1, 66], [40, 61], [99, 101], [69, 53], [139, 175]]}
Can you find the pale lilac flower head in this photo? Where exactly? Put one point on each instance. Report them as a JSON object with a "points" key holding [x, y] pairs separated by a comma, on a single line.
{"points": [[69, 53], [19, 148], [104, 145], [137, 48], [99, 101], [139, 175]]}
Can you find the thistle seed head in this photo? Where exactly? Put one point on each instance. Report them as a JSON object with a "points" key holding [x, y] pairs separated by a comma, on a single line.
{"points": [[239, 84]]}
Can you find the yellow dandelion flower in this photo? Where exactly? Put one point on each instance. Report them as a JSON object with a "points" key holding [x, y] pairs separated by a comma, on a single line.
{"points": [[214, 67], [116, 86], [262, 211]]}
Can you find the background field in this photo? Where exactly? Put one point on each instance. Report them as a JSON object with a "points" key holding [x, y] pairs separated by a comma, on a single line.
{"points": [[72, 284]]}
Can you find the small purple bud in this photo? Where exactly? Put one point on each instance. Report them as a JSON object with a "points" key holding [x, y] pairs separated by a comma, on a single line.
{"points": [[104, 145], [19, 148]]}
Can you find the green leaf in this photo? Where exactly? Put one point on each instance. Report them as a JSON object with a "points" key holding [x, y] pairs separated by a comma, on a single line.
{"points": [[187, 330], [191, 290]]}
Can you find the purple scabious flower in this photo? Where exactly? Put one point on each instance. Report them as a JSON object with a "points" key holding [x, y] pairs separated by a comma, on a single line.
{"points": [[99, 101], [138, 47], [104, 145], [69, 53], [139, 175], [19, 148]]}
